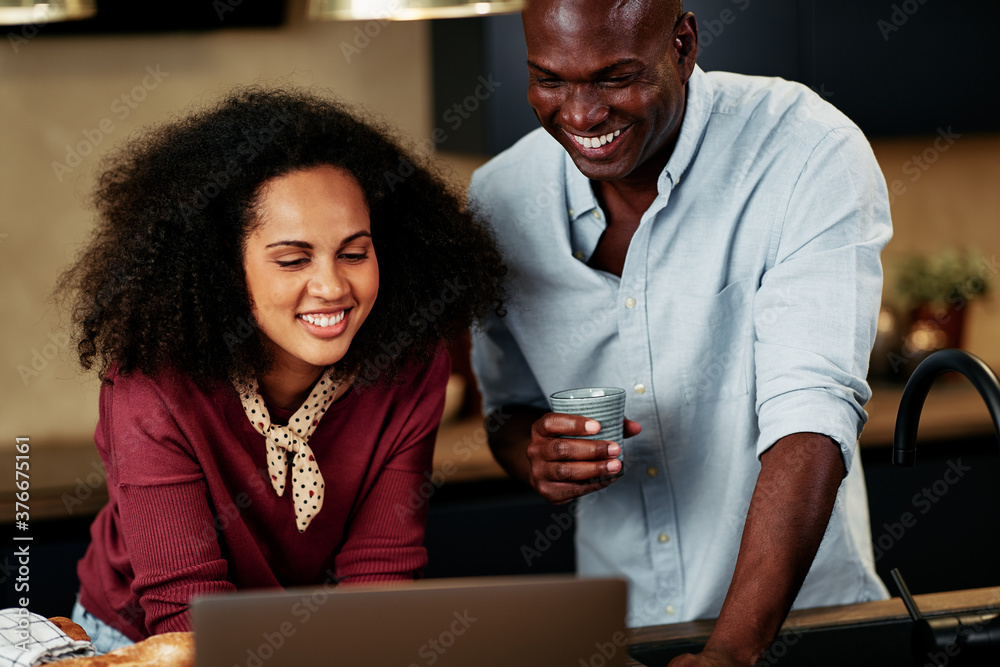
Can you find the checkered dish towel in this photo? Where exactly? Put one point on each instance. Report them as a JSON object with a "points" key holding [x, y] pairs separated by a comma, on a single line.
{"points": [[27, 639]]}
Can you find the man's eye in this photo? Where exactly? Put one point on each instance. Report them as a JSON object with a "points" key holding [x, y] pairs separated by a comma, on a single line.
{"points": [[617, 80]]}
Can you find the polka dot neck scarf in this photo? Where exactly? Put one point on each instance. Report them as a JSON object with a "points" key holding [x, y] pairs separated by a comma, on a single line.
{"points": [[288, 446]]}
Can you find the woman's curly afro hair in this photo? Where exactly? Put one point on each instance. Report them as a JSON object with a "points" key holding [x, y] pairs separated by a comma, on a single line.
{"points": [[161, 283]]}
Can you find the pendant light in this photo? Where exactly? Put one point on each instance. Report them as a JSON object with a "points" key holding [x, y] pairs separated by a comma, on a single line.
{"points": [[407, 10], [24, 12]]}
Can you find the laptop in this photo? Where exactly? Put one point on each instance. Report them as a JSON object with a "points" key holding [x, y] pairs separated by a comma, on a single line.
{"points": [[542, 621]]}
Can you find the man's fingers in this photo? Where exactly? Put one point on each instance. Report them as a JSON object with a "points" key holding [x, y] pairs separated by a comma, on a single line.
{"points": [[570, 449], [556, 424], [631, 428], [578, 471]]}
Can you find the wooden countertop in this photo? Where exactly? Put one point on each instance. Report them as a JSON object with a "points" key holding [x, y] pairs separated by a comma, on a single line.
{"points": [[891, 609]]}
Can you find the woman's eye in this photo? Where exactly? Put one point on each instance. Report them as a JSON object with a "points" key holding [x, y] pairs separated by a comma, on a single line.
{"points": [[291, 262], [354, 256]]}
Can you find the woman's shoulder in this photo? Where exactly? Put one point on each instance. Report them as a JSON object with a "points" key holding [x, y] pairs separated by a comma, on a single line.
{"points": [[432, 372], [167, 387]]}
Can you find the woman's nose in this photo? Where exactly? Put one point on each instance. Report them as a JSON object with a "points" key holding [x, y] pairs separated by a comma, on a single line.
{"points": [[327, 283]]}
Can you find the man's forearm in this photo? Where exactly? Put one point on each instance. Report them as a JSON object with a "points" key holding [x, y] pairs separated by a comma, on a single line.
{"points": [[788, 515], [509, 440]]}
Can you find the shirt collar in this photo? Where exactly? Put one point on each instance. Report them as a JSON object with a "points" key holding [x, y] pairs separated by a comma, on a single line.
{"points": [[698, 108]]}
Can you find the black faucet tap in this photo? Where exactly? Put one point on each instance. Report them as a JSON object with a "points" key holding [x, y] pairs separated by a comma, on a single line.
{"points": [[904, 446], [974, 637]]}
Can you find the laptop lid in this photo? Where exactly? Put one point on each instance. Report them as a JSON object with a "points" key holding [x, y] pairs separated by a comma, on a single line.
{"points": [[481, 622]]}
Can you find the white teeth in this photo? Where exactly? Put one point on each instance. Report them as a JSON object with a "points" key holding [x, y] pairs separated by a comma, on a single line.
{"points": [[323, 320], [596, 142]]}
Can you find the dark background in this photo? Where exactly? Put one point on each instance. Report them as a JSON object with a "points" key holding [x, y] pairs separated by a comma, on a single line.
{"points": [[938, 68]]}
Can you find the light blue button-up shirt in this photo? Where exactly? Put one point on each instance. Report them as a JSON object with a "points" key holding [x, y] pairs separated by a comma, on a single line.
{"points": [[745, 312]]}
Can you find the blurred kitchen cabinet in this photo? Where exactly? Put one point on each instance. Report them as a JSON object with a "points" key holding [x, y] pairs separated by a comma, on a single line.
{"points": [[895, 68]]}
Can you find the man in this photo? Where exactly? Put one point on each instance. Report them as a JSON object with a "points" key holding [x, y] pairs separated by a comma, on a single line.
{"points": [[711, 243]]}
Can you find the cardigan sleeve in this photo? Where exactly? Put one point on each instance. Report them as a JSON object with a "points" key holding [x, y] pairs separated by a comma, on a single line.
{"points": [[164, 507], [385, 539]]}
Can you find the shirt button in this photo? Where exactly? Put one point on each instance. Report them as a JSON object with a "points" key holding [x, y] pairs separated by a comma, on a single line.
{"points": [[571, 213], [640, 388], [579, 255], [597, 214], [630, 302], [652, 471], [671, 610], [663, 538]]}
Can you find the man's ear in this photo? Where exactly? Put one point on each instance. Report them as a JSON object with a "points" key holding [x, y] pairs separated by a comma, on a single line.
{"points": [[685, 44]]}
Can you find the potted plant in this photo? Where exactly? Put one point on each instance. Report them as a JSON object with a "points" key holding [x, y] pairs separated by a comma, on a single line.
{"points": [[935, 290]]}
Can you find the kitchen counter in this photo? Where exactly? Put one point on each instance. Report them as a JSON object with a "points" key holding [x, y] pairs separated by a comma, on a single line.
{"points": [[846, 620]]}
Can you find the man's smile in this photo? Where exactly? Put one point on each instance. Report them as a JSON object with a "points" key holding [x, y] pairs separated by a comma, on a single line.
{"points": [[595, 142]]}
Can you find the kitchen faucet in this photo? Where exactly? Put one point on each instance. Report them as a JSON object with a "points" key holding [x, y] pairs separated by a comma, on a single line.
{"points": [[904, 445], [974, 635]]}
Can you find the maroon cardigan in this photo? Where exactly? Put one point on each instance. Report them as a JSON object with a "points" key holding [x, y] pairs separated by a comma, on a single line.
{"points": [[191, 510]]}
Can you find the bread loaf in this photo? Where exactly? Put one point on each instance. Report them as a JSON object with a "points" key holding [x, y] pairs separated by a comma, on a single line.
{"points": [[72, 630], [171, 649]]}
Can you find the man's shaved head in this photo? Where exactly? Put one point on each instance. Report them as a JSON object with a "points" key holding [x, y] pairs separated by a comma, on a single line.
{"points": [[661, 12], [607, 79]]}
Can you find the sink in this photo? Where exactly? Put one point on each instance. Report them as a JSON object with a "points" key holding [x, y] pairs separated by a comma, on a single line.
{"points": [[885, 642]]}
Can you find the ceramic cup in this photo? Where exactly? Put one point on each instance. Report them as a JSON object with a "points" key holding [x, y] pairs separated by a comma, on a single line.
{"points": [[603, 404]]}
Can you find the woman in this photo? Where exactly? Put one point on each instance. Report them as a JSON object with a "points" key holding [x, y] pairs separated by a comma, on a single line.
{"points": [[266, 297]]}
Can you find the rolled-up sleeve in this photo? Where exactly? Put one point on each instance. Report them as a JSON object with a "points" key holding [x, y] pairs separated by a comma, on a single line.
{"points": [[816, 309]]}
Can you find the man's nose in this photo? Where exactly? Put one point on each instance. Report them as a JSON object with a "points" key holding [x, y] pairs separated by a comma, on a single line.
{"points": [[583, 109]]}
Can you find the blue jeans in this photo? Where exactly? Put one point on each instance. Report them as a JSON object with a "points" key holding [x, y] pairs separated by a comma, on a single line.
{"points": [[104, 637]]}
